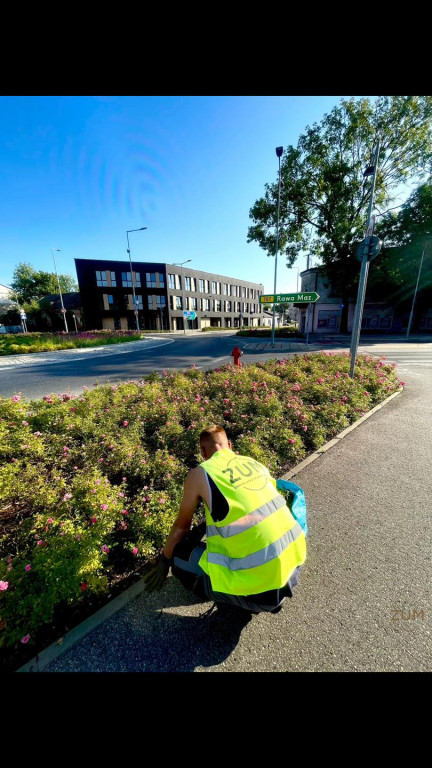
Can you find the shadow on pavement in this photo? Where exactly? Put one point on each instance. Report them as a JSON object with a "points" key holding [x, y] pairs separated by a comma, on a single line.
{"points": [[145, 637]]}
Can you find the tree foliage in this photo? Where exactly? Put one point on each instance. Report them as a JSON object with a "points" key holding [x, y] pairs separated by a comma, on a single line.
{"points": [[324, 195], [405, 236], [30, 285]]}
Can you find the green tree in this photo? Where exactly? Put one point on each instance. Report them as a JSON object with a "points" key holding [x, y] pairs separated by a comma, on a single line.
{"points": [[324, 194], [405, 234], [29, 284]]}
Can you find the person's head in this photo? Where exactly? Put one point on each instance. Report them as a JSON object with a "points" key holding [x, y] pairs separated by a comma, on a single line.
{"points": [[213, 439]]}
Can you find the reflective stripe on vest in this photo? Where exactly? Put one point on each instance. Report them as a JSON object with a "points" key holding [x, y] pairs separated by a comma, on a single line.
{"points": [[246, 522], [260, 557]]}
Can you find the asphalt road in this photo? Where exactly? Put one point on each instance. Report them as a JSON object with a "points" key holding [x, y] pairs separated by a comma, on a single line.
{"points": [[33, 379], [38, 375]]}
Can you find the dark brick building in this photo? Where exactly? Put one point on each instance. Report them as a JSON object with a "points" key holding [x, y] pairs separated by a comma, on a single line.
{"points": [[163, 292]]}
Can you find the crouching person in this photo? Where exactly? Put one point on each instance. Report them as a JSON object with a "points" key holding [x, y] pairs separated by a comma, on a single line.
{"points": [[254, 547]]}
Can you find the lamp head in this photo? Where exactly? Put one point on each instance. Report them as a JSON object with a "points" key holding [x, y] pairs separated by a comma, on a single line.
{"points": [[279, 151]]}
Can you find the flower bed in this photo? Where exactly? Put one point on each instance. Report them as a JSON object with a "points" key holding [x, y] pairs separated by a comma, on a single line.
{"points": [[90, 485], [23, 343]]}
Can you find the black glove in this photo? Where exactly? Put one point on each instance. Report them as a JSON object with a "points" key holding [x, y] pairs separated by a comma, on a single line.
{"points": [[155, 579]]}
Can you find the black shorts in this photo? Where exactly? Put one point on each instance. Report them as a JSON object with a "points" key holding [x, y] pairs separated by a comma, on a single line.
{"points": [[186, 569]]}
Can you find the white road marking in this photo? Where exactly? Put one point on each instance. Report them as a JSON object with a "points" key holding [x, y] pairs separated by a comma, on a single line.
{"points": [[217, 360]]}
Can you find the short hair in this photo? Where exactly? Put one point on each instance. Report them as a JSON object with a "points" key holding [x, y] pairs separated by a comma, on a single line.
{"points": [[210, 435]]}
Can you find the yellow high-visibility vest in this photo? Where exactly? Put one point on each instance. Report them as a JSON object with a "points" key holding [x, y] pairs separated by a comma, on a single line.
{"points": [[253, 542]]}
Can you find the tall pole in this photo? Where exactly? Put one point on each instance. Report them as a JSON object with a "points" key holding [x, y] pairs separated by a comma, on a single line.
{"points": [[279, 151], [363, 275], [58, 283], [132, 281], [131, 274], [183, 302], [415, 294]]}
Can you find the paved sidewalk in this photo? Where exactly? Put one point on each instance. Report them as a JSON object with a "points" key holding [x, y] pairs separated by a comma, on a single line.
{"points": [[364, 598]]}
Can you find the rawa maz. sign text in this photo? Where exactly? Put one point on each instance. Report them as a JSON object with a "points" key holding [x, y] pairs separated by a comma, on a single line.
{"points": [[291, 298]]}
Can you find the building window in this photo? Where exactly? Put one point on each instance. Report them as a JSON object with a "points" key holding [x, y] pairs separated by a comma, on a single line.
{"points": [[246, 307], [234, 290], [207, 305], [228, 306], [186, 302], [171, 298], [213, 287], [161, 280], [218, 305], [193, 279], [138, 302], [151, 279], [187, 283], [206, 286], [171, 282], [194, 302], [178, 282], [179, 304], [113, 280], [160, 301], [225, 289], [137, 279], [201, 304], [110, 300], [126, 280], [201, 286], [329, 319], [101, 278]]}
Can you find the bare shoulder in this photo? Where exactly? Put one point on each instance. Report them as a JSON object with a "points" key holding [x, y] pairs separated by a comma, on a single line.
{"points": [[196, 476]]}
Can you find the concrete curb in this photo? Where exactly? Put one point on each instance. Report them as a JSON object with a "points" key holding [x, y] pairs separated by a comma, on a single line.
{"points": [[335, 440], [48, 655]]}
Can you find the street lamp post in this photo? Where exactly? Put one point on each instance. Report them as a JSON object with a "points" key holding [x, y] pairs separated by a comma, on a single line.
{"points": [[131, 273], [58, 283], [279, 151], [371, 170], [180, 264]]}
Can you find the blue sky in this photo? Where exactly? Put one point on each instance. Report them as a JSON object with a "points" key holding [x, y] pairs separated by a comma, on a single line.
{"points": [[78, 171]]}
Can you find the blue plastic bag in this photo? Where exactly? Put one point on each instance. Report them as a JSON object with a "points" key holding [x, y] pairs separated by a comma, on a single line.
{"points": [[298, 504]]}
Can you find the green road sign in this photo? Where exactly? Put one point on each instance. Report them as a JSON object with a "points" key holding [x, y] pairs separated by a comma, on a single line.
{"points": [[290, 298]]}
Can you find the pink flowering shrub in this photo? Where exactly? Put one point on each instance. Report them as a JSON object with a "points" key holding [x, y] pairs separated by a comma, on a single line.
{"points": [[89, 489]]}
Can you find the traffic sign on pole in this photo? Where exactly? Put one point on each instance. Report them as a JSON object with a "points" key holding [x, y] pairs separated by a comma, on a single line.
{"points": [[290, 298], [189, 314], [369, 248]]}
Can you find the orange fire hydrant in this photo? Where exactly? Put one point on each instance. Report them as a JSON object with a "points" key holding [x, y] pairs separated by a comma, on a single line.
{"points": [[236, 353]]}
